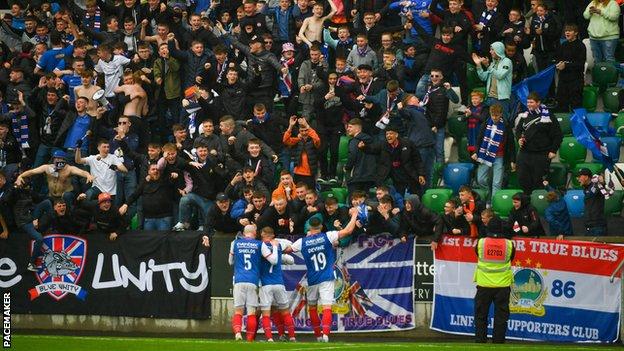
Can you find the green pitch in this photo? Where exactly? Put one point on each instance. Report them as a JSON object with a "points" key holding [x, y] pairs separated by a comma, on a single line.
{"points": [[70, 343]]}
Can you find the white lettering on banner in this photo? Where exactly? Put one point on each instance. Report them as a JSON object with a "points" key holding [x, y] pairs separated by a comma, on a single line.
{"points": [[533, 327], [122, 276], [8, 272]]}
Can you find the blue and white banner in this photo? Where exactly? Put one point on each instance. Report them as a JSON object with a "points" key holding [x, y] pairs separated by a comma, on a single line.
{"points": [[562, 290], [373, 287]]}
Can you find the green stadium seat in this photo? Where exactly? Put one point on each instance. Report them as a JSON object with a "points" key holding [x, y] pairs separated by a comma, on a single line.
{"points": [[538, 200], [590, 98], [434, 199], [502, 203], [611, 100], [473, 79], [618, 123], [483, 193], [462, 151], [571, 152], [343, 149], [594, 167], [437, 174], [604, 75], [564, 122], [613, 205], [457, 127], [341, 194], [340, 171], [481, 89], [558, 175], [512, 180]]}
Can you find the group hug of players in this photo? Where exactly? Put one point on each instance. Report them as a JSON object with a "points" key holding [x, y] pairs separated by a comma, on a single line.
{"points": [[258, 263]]}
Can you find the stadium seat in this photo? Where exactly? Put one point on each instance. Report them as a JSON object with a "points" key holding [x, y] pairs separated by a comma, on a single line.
{"points": [[502, 203], [340, 170], [613, 205], [462, 151], [590, 98], [600, 121], [618, 123], [575, 201], [434, 199], [571, 152], [558, 175], [483, 193], [457, 127], [437, 174], [564, 123], [594, 167], [538, 200], [457, 174], [613, 146], [341, 194], [326, 194], [512, 180], [611, 100], [343, 149], [473, 78], [604, 75], [481, 89]]}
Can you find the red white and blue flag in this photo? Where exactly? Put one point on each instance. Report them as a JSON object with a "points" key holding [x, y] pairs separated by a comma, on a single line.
{"points": [[563, 291]]}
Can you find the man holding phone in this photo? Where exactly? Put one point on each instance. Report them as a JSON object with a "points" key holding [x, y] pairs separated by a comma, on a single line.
{"points": [[304, 150]]}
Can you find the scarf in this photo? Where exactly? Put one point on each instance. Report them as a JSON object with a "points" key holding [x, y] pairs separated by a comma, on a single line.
{"points": [[361, 52], [224, 67], [486, 16], [474, 123], [285, 83], [430, 91], [347, 43], [606, 192], [469, 207], [96, 21], [19, 123], [490, 144]]}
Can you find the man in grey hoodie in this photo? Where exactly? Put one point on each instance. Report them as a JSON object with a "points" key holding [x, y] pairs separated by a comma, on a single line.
{"points": [[362, 54], [498, 76]]}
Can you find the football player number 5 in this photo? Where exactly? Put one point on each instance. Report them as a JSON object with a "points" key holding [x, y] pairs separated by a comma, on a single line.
{"points": [[247, 259], [319, 261]]}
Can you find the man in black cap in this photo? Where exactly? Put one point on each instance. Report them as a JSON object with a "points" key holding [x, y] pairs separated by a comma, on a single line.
{"points": [[494, 277], [399, 160], [594, 191]]}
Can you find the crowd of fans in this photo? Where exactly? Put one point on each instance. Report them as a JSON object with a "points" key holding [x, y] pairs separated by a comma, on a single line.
{"points": [[212, 115]]}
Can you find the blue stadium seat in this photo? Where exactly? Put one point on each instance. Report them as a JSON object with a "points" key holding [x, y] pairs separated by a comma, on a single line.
{"points": [[575, 201], [457, 174], [600, 120]]}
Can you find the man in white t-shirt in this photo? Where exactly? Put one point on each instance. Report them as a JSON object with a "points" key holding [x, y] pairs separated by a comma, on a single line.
{"points": [[112, 68], [103, 168]]}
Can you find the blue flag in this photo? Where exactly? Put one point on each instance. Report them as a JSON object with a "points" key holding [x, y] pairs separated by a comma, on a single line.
{"points": [[589, 137], [539, 83]]}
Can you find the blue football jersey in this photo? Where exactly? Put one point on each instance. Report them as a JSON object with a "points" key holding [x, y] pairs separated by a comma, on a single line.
{"points": [[247, 257], [318, 254], [272, 274]]}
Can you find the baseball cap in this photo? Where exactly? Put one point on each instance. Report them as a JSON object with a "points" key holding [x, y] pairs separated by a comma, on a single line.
{"points": [[103, 197], [59, 154], [222, 197], [585, 172], [288, 47], [255, 39]]}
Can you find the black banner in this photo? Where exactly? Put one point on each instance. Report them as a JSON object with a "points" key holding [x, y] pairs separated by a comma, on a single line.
{"points": [[424, 271], [141, 274]]}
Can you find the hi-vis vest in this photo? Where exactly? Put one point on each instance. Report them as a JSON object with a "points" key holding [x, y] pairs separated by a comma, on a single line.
{"points": [[494, 265]]}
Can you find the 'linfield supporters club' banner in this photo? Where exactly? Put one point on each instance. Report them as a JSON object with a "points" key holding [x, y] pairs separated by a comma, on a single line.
{"points": [[373, 287], [562, 290], [141, 274]]}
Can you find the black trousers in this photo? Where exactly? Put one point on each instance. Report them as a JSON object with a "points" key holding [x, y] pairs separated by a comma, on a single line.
{"points": [[569, 95], [532, 168], [482, 301]]}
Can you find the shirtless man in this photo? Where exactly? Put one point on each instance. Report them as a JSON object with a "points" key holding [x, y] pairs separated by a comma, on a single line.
{"points": [[58, 175], [137, 106], [162, 29], [312, 27], [86, 90]]}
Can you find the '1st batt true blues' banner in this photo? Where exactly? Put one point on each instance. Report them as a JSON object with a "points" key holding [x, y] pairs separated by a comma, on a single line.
{"points": [[561, 291], [373, 286]]}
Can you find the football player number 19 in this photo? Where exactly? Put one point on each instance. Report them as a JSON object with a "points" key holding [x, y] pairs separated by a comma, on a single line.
{"points": [[319, 261], [560, 288]]}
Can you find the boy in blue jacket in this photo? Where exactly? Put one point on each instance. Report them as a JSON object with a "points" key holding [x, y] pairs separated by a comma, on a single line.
{"points": [[556, 213]]}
